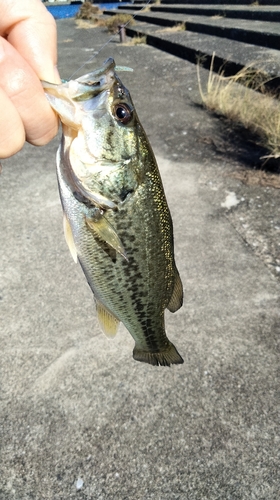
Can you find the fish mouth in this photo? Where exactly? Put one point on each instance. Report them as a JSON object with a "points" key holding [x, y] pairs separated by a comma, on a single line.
{"points": [[102, 77], [97, 81], [92, 84], [87, 86]]}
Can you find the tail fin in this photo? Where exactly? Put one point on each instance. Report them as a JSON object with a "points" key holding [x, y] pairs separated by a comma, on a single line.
{"points": [[167, 357]]}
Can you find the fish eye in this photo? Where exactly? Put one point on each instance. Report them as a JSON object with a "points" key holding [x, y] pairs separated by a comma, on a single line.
{"points": [[123, 113]]}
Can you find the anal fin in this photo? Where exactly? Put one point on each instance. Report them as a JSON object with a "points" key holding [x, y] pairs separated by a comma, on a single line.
{"points": [[108, 323], [176, 300]]}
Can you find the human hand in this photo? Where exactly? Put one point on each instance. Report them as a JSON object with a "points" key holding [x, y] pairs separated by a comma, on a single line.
{"points": [[27, 55]]}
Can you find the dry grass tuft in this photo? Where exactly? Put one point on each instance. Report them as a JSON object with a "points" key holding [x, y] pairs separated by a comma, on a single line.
{"points": [[114, 22], [173, 29], [257, 112], [82, 24], [257, 178], [88, 11], [138, 40], [147, 8]]}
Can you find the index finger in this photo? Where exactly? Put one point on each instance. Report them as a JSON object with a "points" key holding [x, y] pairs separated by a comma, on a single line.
{"points": [[31, 29]]}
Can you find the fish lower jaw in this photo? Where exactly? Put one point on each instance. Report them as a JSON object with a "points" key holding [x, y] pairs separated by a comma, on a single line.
{"points": [[168, 356]]}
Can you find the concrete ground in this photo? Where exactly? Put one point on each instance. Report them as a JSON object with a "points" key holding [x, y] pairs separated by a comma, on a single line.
{"points": [[79, 417]]}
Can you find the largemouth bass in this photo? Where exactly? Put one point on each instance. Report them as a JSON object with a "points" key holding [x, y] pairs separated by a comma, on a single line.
{"points": [[116, 219]]}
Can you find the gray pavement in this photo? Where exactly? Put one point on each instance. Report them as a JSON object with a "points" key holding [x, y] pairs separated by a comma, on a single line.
{"points": [[77, 407]]}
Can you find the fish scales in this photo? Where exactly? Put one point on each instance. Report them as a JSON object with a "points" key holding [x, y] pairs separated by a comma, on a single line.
{"points": [[118, 223]]}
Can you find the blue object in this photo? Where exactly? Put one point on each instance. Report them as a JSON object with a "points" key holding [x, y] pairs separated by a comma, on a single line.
{"points": [[65, 11]]}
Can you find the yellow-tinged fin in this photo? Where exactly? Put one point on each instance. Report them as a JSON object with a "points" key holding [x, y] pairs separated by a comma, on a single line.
{"points": [[106, 232], [176, 300], [69, 238], [169, 356], [108, 323]]}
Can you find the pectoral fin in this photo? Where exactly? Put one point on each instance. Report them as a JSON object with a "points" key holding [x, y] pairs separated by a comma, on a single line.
{"points": [[106, 232], [108, 323], [176, 300], [69, 238]]}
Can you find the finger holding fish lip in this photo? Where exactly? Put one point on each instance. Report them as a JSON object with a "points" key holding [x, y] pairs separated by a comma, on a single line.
{"points": [[25, 112], [27, 54]]}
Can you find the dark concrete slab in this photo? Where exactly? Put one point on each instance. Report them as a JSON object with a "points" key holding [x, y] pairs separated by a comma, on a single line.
{"points": [[236, 43], [257, 32], [229, 56], [238, 3], [254, 12], [76, 406]]}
